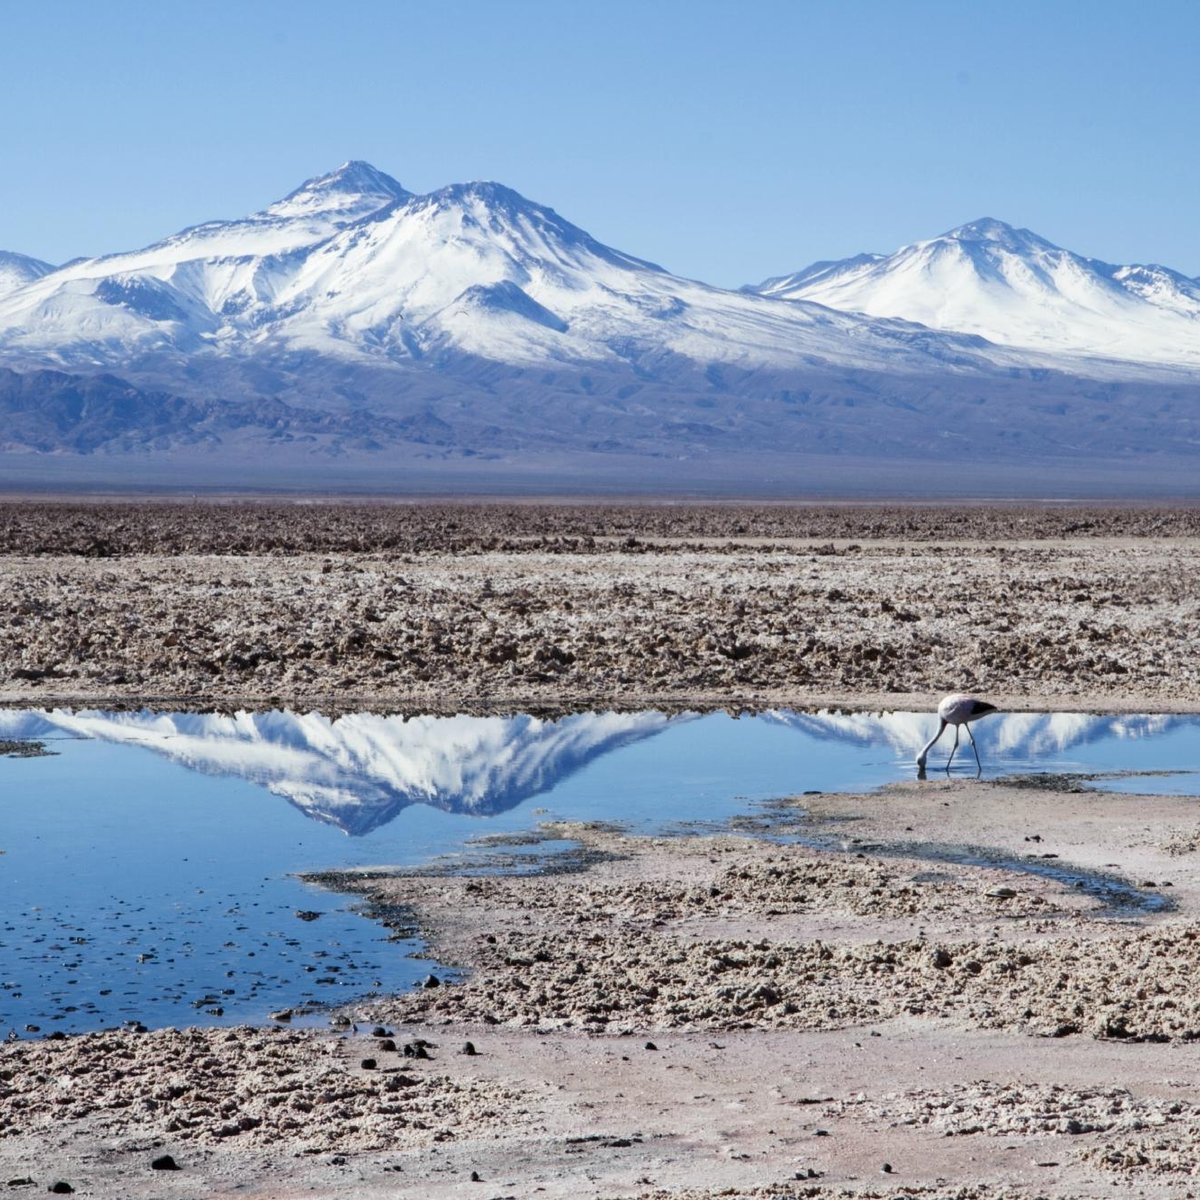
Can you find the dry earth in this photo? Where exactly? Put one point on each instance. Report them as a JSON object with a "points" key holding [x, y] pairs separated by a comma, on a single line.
{"points": [[687, 1018], [438, 607]]}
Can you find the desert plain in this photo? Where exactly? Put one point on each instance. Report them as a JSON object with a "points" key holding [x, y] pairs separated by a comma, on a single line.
{"points": [[730, 1013]]}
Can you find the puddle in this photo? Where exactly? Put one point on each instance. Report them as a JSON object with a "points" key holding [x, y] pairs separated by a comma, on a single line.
{"points": [[148, 863]]}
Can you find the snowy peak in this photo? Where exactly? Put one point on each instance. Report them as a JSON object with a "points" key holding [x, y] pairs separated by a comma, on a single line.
{"points": [[1014, 287], [16, 270], [354, 189], [486, 207], [998, 233]]}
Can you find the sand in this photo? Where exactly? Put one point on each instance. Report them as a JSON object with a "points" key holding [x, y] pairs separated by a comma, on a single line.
{"points": [[711, 1015]]}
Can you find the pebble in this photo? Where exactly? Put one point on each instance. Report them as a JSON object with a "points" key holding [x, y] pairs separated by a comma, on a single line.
{"points": [[164, 1162]]}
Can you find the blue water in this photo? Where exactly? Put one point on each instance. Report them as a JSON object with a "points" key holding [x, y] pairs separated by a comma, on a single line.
{"points": [[155, 880]]}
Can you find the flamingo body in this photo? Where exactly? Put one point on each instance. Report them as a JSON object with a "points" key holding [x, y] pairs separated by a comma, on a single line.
{"points": [[957, 709]]}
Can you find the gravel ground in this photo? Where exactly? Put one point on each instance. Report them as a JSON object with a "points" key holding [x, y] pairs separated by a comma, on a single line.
{"points": [[685, 1018], [477, 608]]}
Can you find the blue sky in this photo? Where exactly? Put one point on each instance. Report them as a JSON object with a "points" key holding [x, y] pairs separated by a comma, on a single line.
{"points": [[726, 140]]}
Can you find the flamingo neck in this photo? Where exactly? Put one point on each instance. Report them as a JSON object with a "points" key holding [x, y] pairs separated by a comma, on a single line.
{"points": [[929, 744]]}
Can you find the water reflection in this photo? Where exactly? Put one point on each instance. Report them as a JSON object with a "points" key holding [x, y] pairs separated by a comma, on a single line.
{"points": [[1010, 736], [147, 869], [359, 772]]}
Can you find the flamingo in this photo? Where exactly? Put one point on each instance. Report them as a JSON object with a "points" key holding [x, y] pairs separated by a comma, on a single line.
{"points": [[957, 709]]}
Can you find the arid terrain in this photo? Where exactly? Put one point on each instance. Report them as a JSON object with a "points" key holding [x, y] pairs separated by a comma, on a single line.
{"points": [[459, 607], [733, 1013]]}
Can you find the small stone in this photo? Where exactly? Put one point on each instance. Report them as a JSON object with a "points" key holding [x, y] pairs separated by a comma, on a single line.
{"points": [[942, 958], [651, 1046], [307, 914], [469, 1048], [475, 1178], [887, 1168], [164, 1162], [431, 981], [379, 1031], [284, 1014], [369, 1064], [61, 1188], [387, 1044]]}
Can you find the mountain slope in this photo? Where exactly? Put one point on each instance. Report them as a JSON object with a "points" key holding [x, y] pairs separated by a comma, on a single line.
{"points": [[353, 268], [1015, 289], [16, 270], [470, 324]]}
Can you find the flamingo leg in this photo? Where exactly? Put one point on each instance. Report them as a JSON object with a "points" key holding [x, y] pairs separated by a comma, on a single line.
{"points": [[957, 730], [976, 749]]}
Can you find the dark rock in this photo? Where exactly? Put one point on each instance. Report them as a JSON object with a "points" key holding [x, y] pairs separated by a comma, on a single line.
{"points": [[164, 1162], [307, 914], [942, 958], [651, 1046], [369, 1064], [887, 1168], [431, 981], [61, 1188], [387, 1044], [475, 1178], [379, 1031], [415, 1050]]}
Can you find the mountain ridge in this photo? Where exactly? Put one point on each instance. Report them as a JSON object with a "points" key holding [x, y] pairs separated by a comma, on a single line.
{"points": [[353, 317], [1015, 288]]}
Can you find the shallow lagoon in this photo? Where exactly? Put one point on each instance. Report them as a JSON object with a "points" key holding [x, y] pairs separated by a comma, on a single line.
{"points": [[148, 864]]}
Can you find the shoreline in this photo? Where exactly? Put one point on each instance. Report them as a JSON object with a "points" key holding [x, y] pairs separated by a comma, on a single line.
{"points": [[686, 1017], [689, 1013]]}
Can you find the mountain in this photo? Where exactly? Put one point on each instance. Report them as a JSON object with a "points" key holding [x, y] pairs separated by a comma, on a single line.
{"points": [[353, 269], [396, 334], [359, 772], [1015, 289], [16, 270]]}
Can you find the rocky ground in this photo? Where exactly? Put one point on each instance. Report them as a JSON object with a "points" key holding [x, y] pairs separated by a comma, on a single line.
{"points": [[438, 607], [736, 1014]]}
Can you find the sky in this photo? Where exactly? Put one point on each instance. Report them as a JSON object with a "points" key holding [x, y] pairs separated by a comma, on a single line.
{"points": [[728, 140]]}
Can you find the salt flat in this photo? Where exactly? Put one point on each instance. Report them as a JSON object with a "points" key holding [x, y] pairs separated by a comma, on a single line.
{"points": [[688, 1017]]}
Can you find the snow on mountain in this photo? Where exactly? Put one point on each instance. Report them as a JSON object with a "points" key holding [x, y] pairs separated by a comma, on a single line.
{"points": [[177, 294], [1015, 289], [16, 270], [359, 771], [352, 267], [473, 323]]}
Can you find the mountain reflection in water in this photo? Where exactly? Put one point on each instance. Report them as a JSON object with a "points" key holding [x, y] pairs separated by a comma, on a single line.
{"points": [[358, 772]]}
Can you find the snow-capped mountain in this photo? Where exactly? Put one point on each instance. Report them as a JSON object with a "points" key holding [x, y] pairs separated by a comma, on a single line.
{"points": [[16, 270], [1015, 289], [352, 267], [353, 318], [360, 771]]}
